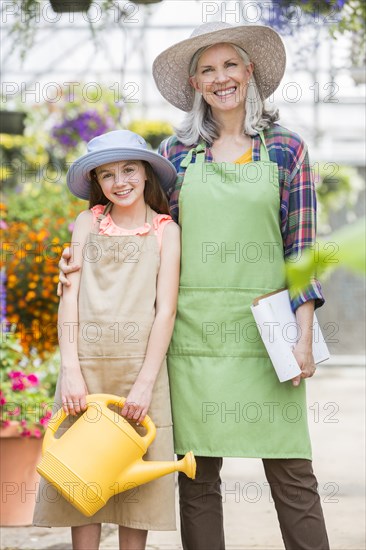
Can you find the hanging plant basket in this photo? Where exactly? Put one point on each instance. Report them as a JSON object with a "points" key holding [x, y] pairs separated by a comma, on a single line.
{"points": [[12, 122], [67, 6]]}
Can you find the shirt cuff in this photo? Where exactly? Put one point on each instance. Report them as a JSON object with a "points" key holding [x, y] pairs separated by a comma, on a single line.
{"points": [[312, 292]]}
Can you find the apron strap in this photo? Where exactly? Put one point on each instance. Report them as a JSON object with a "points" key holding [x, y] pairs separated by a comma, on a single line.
{"points": [[200, 150], [96, 225], [264, 155], [199, 158]]}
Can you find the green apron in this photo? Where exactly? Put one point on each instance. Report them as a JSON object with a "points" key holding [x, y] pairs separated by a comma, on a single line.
{"points": [[226, 397]]}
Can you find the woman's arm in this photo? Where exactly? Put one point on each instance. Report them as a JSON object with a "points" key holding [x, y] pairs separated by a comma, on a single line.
{"points": [[66, 266], [304, 348], [139, 399], [73, 388], [299, 223]]}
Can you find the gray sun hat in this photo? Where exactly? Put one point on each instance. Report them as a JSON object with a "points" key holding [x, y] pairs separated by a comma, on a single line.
{"points": [[114, 147], [263, 45]]}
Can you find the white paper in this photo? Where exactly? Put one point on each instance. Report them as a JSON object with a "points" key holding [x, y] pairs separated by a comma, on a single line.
{"points": [[279, 331]]}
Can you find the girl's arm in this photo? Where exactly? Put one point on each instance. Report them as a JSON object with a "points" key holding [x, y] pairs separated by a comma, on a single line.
{"points": [[73, 388], [139, 399]]}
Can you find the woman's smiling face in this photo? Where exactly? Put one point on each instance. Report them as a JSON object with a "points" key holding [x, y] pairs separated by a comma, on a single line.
{"points": [[122, 182], [222, 78]]}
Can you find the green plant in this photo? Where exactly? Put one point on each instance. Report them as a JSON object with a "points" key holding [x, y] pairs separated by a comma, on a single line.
{"points": [[345, 248], [27, 387], [26, 15], [153, 131], [337, 188], [37, 221]]}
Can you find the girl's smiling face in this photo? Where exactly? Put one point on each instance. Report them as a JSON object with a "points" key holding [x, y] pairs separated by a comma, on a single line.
{"points": [[122, 182], [222, 78]]}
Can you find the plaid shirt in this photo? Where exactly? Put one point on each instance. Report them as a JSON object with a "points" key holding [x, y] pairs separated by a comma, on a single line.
{"points": [[297, 192]]}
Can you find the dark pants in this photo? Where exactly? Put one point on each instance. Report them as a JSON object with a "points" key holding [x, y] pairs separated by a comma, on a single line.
{"points": [[294, 491]]}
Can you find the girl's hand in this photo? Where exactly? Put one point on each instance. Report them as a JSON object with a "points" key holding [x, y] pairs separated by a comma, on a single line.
{"points": [[73, 390], [304, 357], [137, 402], [65, 268]]}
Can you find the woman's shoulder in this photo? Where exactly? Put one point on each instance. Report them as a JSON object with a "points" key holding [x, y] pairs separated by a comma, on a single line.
{"points": [[280, 135], [171, 148], [285, 147]]}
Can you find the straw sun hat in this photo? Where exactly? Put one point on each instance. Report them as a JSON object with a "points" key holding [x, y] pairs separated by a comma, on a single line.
{"points": [[263, 45]]}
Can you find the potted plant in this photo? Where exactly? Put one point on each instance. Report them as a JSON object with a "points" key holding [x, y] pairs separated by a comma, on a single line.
{"points": [[81, 127], [27, 384], [12, 122], [64, 6]]}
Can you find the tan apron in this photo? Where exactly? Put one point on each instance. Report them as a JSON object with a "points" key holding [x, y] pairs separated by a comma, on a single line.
{"points": [[116, 312]]}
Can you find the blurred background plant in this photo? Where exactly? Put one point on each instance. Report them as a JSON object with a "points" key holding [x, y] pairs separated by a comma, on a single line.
{"points": [[338, 188], [27, 387], [37, 221], [339, 17], [153, 131], [77, 118], [28, 14]]}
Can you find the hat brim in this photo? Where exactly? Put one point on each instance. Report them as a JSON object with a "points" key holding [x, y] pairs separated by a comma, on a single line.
{"points": [[263, 45], [78, 176]]}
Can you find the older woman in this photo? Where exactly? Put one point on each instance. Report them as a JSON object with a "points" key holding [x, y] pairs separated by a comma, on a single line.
{"points": [[245, 201]]}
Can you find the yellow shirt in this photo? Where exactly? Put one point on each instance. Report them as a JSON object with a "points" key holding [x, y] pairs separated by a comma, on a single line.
{"points": [[246, 157]]}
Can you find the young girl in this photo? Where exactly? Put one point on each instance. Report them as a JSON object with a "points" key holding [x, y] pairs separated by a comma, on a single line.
{"points": [[123, 301]]}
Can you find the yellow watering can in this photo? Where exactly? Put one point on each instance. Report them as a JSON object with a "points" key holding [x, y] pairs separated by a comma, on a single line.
{"points": [[100, 455]]}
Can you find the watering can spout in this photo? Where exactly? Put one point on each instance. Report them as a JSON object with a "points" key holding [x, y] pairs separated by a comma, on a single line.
{"points": [[144, 471]]}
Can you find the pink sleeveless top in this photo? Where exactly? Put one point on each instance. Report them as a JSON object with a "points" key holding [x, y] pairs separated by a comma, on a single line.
{"points": [[108, 227]]}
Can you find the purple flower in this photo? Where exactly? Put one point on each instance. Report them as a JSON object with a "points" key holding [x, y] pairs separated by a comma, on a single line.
{"points": [[288, 16], [84, 127]]}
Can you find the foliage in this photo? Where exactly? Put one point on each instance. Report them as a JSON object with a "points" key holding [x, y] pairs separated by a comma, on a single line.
{"points": [[87, 112], [337, 187], [83, 127], [27, 14], [339, 16], [55, 134], [21, 157], [27, 387], [345, 248], [153, 131], [37, 221]]}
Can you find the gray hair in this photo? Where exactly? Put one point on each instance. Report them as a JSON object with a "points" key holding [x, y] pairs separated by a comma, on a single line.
{"points": [[199, 122]]}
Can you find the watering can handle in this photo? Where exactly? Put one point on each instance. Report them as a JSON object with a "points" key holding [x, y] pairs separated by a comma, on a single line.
{"points": [[54, 423], [147, 423], [106, 399]]}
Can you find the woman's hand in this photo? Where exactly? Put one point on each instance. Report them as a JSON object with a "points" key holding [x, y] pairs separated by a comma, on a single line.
{"points": [[65, 268], [73, 390], [304, 357], [138, 402]]}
